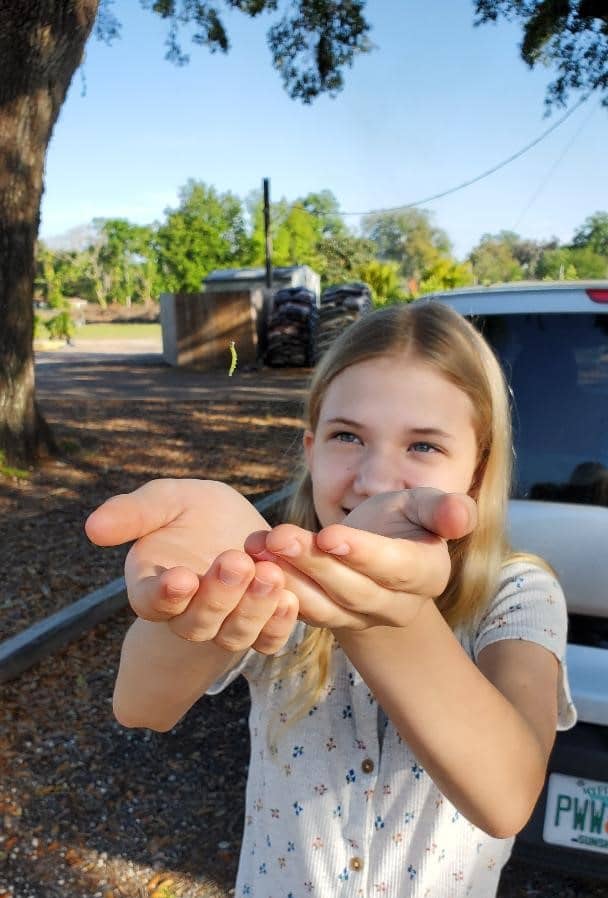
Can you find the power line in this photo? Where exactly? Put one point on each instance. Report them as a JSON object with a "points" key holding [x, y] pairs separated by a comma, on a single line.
{"points": [[549, 174], [485, 174]]}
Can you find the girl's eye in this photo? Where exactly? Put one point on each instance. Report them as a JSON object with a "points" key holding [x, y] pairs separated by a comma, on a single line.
{"points": [[345, 436], [425, 448]]}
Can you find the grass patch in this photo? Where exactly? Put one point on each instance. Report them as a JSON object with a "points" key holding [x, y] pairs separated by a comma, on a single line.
{"points": [[120, 331], [9, 471]]}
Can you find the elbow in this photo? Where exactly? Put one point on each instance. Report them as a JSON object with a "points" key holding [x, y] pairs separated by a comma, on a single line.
{"points": [[509, 820], [504, 829], [131, 721], [514, 804], [504, 826]]}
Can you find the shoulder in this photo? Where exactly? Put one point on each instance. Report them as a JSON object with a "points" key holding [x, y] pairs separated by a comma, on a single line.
{"points": [[526, 582], [529, 604]]}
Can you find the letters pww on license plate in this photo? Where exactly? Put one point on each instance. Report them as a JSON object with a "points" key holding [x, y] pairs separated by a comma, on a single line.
{"points": [[577, 813]]}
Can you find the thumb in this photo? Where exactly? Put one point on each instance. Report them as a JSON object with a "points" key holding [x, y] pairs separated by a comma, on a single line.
{"points": [[448, 515], [129, 516]]}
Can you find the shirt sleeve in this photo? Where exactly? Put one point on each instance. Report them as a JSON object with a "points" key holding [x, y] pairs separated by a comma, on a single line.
{"points": [[250, 664], [530, 605]]}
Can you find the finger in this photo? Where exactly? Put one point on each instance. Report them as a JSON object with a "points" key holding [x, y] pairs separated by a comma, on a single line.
{"points": [[129, 516], [295, 551], [255, 544], [286, 540], [167, 593], [449, 515], [315, 605], [162, 580], [151, 507], [242, 627], [374, 590], [232, 582], [277, 629], [159, 597], [421, 567], [352, 586]]}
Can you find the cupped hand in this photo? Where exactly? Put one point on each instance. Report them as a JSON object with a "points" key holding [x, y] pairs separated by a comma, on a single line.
{"points": [[179, 570], [371, 578]]}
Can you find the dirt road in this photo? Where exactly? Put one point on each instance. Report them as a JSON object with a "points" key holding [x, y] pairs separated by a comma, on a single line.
{"points": [[136, 370]]}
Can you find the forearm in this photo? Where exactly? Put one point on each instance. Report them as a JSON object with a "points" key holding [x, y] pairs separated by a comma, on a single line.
{"points": [[474, 744], [161, 676]]}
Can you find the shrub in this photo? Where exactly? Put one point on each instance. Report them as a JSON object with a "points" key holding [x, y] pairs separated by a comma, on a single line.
{"points": [[61, 326]]}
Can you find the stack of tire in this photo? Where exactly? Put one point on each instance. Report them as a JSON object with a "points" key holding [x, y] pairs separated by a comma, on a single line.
{"points": [[291, 329], [340, 306]]}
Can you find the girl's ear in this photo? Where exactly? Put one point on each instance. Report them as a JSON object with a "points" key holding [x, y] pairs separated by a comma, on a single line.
{"points": [[307, 441]]}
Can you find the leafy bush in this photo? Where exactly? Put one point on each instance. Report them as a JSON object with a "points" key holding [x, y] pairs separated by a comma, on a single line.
{"points": [[61, 326], [40, 331]]}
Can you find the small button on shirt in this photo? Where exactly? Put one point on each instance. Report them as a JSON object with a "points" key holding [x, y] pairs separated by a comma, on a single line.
{"points": [[333, 810]]}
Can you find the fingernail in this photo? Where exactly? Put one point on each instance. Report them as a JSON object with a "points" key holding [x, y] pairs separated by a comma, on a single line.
{"points": [[342, 549], [281, 611], [261, 587], [230, 577], [291, 549], [177, 592], [262, 555]]}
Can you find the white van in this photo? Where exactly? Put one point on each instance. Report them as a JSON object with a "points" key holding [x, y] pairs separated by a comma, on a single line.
{"points": [[552, 341]]}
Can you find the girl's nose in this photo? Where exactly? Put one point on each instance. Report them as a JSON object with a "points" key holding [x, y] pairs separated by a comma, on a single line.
{"points": [[379, 472]]}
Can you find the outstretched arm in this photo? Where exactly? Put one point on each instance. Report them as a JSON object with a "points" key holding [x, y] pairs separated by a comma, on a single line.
{"points": [[483, 733], [201, 601]]}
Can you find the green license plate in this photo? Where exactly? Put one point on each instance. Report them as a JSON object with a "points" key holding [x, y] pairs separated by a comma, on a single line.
{"points": [[577, 813]]}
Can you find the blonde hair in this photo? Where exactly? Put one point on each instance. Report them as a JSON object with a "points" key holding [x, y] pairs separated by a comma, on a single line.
{"points": [[440, 337]]}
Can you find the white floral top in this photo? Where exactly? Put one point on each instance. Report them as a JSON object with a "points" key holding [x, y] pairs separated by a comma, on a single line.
{"points": [[331, 813]]}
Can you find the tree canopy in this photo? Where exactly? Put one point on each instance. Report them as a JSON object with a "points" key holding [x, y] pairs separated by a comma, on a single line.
{"points": [[315, 40], [207, 231], [408, 237], [310, 44], [506, 256], [593, 233], [569, 35]]}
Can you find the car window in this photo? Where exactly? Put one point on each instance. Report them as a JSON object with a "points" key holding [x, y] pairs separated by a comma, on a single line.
{"points": [[557, 367]]}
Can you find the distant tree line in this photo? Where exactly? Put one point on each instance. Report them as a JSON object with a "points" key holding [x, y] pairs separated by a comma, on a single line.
{"points": [[401, 255]]}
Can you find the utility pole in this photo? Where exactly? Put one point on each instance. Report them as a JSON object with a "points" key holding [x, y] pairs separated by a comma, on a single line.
{"points": [[268, 238]]}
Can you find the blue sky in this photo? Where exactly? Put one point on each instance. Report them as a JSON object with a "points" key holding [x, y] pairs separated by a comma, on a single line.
{"points": [[438, 102]]}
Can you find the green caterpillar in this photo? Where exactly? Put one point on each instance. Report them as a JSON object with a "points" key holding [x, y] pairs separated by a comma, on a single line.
{"points": [[233, 359]]}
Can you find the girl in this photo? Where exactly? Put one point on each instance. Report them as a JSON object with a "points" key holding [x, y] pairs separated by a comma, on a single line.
{"points": [[406, 669]]}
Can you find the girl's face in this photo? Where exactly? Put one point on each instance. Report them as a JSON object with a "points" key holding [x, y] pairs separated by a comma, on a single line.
{"points": [[389, 424]]}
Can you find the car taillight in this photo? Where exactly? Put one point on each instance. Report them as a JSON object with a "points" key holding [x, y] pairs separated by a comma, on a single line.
{"points": [[598, 295]]}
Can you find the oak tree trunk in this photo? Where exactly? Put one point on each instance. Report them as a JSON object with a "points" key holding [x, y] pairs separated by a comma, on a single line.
{"points": [[41, 45]]}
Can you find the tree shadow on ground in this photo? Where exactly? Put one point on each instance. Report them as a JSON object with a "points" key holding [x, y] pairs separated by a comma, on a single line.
{"points": [[115, 448], [85, 788]]}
